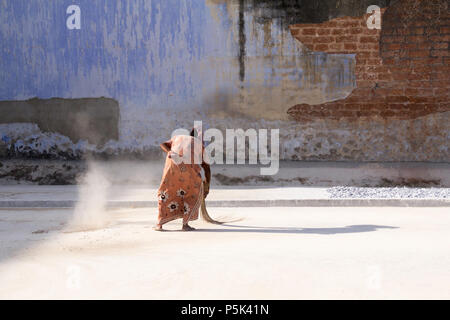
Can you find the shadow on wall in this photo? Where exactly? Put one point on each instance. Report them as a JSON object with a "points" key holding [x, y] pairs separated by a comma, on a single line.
{"points": [[288, 12], [93, 119]]}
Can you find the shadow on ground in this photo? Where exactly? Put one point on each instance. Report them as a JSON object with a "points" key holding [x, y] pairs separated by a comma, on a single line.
{"points": [[23, 229], [338, 230]]}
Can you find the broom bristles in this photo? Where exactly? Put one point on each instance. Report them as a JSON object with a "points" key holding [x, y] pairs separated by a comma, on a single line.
{"points": [[205, 213]]}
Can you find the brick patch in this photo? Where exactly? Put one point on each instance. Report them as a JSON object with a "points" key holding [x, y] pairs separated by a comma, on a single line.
{"points": [[402, 71]]}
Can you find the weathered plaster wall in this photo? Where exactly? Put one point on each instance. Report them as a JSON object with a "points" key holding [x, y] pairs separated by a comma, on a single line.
{"points": [[402, 71], [401, 105], [93, 120], [232, 64]]}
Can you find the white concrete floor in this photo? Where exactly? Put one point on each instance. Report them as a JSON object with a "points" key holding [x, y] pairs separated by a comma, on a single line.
{"points": [[269, 253]]}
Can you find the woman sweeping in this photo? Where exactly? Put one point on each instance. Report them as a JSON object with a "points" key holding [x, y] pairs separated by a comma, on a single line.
{"points": [[184, 184]]}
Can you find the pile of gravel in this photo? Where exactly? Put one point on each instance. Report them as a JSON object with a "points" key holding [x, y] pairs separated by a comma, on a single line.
{"points": [[389, 193]]}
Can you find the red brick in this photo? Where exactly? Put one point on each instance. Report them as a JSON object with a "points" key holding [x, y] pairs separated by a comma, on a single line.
{"points": [[336, 46], [405, 82], [417, 99], [350, 24], [321, 47], [331, 24], [308, 31], [323, 32], [422, 69], [370, 76], [393, 39], [370, 32], [440, 38], [365, 39], [441, 92], [397, 99], [389, 61], [391, 54], [440, 45], [418, 53], [422, 76], [384, 76], [441, 76], [445, 30], [400, 68], [420, 84], [408, 46], [356, 31], [418, 31], [346, 39], [418, 45], [369, 46], [402, 31], [414, 92], [428, 61], [295, 32], [324, 39], [388, 114], [393, 46], [364, 84], [400, 76], [306, 40], [337, 32], [350, 46], [431, 30], [420, 23], [415, 39], [440, 53]]}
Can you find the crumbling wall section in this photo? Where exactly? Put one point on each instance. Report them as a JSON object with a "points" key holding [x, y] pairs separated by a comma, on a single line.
{"points": [[400, 108]]}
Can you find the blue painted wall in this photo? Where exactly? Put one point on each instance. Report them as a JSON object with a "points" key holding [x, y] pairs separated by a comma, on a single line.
{"points": [[167, 62], [134, 48]]}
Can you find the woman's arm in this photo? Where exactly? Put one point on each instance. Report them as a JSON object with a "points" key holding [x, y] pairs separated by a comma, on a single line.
{"points": [[166, 146], [207, 170]]}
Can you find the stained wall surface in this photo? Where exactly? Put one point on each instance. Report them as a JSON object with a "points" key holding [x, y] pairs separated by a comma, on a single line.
{"points": [[150, 67]]}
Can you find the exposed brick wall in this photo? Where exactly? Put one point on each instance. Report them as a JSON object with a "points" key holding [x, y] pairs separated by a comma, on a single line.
{"points": [[402, 71]]}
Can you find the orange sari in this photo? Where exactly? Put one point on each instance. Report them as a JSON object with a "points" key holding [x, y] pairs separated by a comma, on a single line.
{"points": [[181, 184]]}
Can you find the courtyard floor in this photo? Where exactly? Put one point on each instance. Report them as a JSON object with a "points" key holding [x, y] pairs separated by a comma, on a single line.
{"points": [[261, 253]]}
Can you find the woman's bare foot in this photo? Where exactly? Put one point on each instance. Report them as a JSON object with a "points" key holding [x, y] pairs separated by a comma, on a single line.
{"points": [[158, 227], [187, 227]]}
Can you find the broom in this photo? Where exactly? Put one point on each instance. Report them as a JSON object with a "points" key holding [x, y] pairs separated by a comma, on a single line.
{"points": [[205, 213]]}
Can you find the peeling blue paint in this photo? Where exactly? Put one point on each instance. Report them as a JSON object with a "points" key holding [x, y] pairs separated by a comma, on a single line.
{"points": [[149, 55], [116, 37]]}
